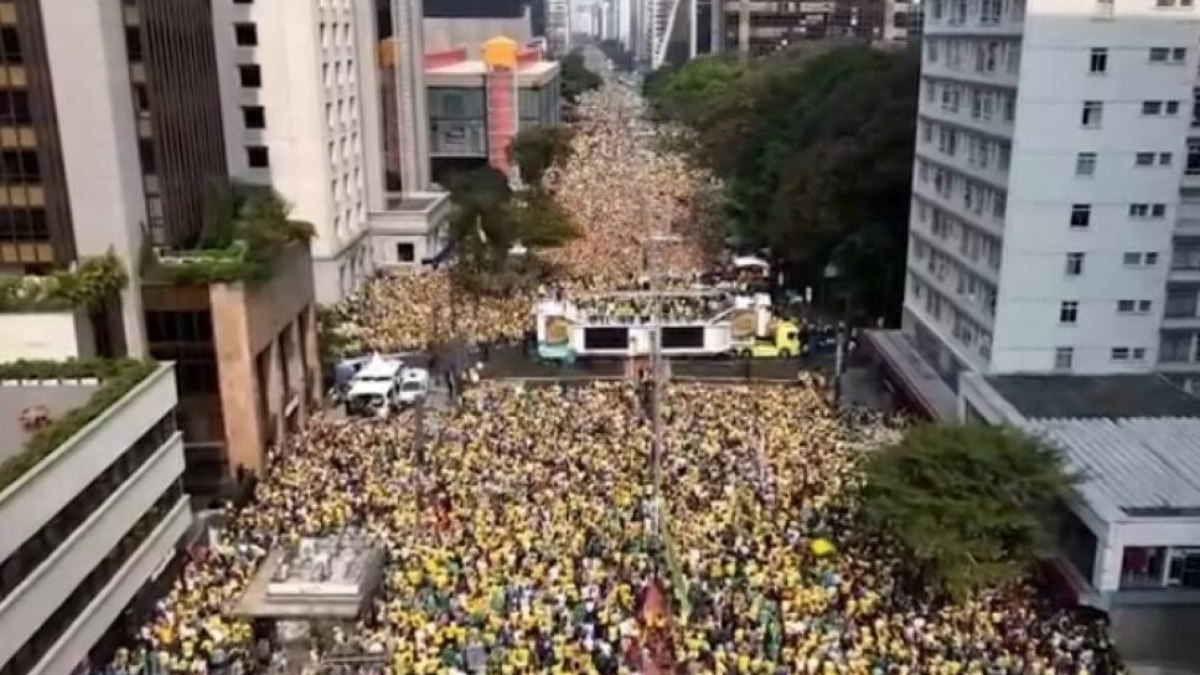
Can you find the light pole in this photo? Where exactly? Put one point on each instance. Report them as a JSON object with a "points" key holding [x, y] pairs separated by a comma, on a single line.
{"points": [[831, 275], [656, 366]]}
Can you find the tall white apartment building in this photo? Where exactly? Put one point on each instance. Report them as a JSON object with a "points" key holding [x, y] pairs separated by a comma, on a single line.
{"points": [[1055, 224], [298, 85]]}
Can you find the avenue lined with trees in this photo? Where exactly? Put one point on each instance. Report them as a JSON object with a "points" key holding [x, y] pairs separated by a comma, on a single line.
{"points": [[814, 146]]}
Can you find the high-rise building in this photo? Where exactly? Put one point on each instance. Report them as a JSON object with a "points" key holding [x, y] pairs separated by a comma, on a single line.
{"points": [[1055, 223], [299, 116], [558, 26]]}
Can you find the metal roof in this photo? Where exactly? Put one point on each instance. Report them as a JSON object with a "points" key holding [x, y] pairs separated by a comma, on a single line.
{"points": [[1131, 467], [1091, 396]]}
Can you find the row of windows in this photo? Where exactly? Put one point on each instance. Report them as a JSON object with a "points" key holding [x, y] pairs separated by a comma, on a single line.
{"points": [[984, 56], [1098, 57], [27, 657], [1064, 357], [963, 328], [181, 326], [1075, 261], [1091, 115], [35, 550], [975, 195], [1081, 214], [968, 285], [972, 242], [986, 12], [982, 151], [1068, 310]]}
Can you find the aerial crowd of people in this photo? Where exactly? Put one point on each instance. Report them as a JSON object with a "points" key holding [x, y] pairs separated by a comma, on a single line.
{"points": [[523, 537]]}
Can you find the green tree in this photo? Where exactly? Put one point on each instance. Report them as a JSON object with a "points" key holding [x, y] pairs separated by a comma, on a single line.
{"points": [[535, 150], [972, 505], [576, 78], [488, 219], [814, 146]]}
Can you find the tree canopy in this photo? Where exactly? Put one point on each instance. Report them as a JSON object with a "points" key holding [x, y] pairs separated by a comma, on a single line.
{"points": [[489, 219], [815, 148], [972, 505], [576, 78], [536, 149]]}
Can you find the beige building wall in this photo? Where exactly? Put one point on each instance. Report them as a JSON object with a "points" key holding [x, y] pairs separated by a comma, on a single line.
{"points": [[269, 371]]}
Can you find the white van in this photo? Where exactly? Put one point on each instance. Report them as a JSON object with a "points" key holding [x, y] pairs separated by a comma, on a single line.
{"points": [[375, 388], [414, 385]]}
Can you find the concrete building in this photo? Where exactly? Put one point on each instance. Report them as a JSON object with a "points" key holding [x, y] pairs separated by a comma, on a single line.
{"points": [[559, 19], [107, 138], [452, 24], [1129, 539], [758, 27], [248, 365], [477, 106], [83, 531], [297, 88], [1055, 213]]}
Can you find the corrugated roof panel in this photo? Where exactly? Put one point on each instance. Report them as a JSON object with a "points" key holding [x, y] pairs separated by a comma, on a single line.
{"points": [[1147, 464]]}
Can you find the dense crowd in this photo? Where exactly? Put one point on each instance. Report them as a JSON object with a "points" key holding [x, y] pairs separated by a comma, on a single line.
{"points": [[415, 311], [524, 537], [612, 158], [625, 308]]}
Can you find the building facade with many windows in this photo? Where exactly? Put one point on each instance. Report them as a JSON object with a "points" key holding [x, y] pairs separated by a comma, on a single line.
{"points": [[300, 98], [1055, 202], [84, 530]]}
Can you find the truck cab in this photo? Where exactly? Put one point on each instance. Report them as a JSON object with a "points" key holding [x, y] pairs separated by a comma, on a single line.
{"points": [[782, 342]]}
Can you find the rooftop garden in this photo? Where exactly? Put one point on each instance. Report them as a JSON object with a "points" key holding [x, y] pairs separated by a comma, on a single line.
{"points": [[116, 378], [86, 285], [246, 228]]}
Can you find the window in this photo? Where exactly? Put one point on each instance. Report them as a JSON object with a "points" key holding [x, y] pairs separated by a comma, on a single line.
{"points": [[1120, 353], [1144, 306], [1132, 258], [258, 157], [1144, 159], [1125, 306], [1178, 54], [254, 117], [133, 44], [1159, 54], [1150, 258], [245, 34], [1085, 164], [14, 107], [1139, 210], [1152, 107], [1143, 567], [1192, 163], [1172, 107], [1064, 358], [1074, 264], [1164, 159], [1081, 215], [405, 253], [1158, 210], [1093, 114], [1068, 311], [1137, 353], [10, 47], [242, 2], [250, 75], [1099, 61]]}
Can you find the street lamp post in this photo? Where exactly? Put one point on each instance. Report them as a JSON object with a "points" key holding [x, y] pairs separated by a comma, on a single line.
{"points": [[831, 274], [656, 362]]}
